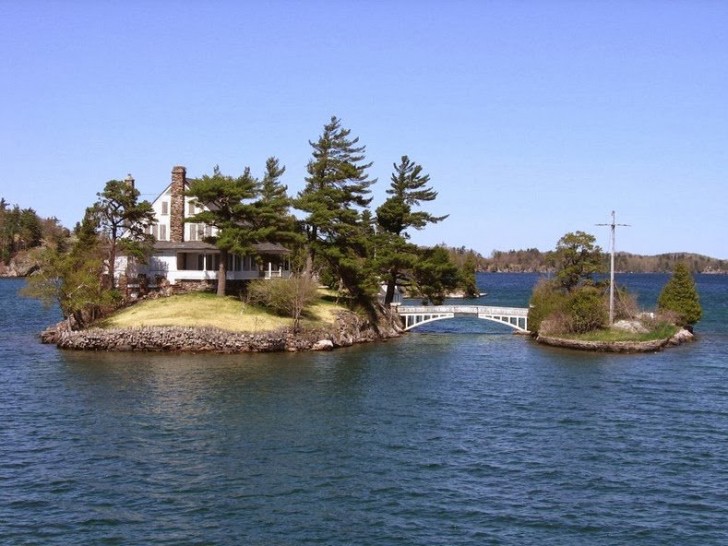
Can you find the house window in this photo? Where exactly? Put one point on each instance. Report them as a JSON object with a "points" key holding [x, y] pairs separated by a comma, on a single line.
{"points": [[162, 232], [165, 208], [194, 262], [191, 232], [155, 231], [191, 208], [233, 262]]}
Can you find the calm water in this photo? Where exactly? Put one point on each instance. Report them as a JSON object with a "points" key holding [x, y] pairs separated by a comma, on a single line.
{"points": [[462, 434]]}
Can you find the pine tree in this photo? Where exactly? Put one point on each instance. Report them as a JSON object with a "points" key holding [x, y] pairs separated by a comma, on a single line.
{"points": [[337, 189], [119, 211], [576, 259], [395, 216], [680, 296], [272, 217], [229, 207]]}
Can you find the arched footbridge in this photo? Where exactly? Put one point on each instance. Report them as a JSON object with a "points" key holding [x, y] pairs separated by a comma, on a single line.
{"points": [[515, 317]]}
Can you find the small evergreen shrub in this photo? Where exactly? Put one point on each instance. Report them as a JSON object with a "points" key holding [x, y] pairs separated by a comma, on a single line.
{"points": [[681, 297]]}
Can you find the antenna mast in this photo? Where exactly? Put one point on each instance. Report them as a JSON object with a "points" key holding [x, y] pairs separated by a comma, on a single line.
{"points": [[613, 225]]}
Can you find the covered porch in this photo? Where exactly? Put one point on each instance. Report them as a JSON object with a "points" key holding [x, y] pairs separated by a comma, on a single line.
{"points": [[198, 261]]}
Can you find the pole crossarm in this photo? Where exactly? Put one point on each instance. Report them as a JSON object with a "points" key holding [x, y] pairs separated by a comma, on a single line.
{"points": [[417, 315]]}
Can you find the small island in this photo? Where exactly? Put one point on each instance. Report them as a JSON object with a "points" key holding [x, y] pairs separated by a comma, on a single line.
{"points": [[237, 236], [575, 311], [200, 322]]}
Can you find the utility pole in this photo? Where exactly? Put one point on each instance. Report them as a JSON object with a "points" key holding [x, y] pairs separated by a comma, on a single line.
{"points": [[613, 225]]}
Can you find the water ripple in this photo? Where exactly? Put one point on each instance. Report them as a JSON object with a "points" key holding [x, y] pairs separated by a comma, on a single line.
{"points": [[438, 438]]}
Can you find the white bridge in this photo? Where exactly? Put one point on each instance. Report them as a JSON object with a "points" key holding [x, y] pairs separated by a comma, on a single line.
{"points": [[515, 317]]}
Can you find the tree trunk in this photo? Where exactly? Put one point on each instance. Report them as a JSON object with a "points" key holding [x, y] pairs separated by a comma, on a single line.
{"points": [[222, 273], [112, 262], [310, 252], [308, 271], [391, 285]]}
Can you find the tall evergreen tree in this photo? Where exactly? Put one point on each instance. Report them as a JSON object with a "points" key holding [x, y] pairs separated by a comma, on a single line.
{"points": [[337, 189], [272, 215], [119, 212], [680, 296], [229, 208], [397, 215]]}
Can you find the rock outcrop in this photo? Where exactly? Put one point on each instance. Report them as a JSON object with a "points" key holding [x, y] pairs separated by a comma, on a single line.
{"points": [[21, 265]]}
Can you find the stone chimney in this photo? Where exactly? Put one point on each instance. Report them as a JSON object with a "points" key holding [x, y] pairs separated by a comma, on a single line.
{"points": [[177, 205], [129, 180]]}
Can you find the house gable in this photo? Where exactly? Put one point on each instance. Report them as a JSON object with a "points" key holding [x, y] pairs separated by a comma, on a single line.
{"points": [[171, 207]]}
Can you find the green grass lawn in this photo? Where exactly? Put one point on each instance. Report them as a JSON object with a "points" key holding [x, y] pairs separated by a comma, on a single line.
{"points": [[661, 331], [208, 310]]}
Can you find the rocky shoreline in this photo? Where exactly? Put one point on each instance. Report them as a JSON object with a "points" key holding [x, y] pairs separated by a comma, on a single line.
{"points": [[349, 329], [682, 336]]}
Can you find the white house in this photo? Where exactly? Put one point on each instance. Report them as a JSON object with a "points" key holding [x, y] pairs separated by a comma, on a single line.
{"points": [[180, 253]]}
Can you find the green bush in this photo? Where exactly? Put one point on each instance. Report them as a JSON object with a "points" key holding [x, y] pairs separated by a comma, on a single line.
{"points": [[587, 310], [546, 302], [288, 297], [681, 297], [554, 311]]}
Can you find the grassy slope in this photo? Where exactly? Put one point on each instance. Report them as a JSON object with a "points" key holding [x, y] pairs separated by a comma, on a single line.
{"points": [[207, 310]]}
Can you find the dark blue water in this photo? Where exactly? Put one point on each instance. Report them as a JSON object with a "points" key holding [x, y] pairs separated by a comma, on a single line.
{"points": [[463, 434]]}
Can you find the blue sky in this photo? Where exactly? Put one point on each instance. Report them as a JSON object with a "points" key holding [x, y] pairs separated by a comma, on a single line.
{"points": [[533, 118]]}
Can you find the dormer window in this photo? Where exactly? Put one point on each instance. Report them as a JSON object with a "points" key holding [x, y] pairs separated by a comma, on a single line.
{"points": [[165, 208]]}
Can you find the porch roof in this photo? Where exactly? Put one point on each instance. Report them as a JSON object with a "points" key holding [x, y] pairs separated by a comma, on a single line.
{"points": [[198, 246]]}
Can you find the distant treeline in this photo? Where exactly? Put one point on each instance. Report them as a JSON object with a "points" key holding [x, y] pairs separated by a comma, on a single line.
{"points": [[22, 229], [533, 260]]}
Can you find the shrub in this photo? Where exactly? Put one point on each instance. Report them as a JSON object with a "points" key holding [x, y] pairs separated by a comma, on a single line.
{"points": [[625, 304], [681, 297], [546, 301], [554, 311], [587, 310], [288, 297]]}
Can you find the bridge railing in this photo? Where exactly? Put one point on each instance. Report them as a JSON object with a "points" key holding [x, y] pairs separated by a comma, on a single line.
{"points": [[462, 310]]}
